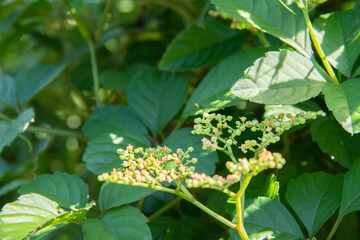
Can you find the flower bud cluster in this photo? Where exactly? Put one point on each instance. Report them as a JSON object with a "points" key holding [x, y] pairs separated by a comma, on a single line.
{"points": [[215, 182], [214, 125], [151, 166], [252, 166]]}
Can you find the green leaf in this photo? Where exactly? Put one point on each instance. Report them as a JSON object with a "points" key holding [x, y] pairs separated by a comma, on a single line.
{"points": [[332, 139], [19, 218], [338, 34], [101, 153], [9, 131], [189, 50], [157, 96], [350, 201], [110, 119], [344, 102], [7, 91], [11, 186], [212, 96], [184, 139], [114, 195], [315, 197], [121, 223], [283, 77], [69, 191], [34, 215], [272, 18], [263, 214], [30, 81], [186, 228], [306, 106], [120, 79]]}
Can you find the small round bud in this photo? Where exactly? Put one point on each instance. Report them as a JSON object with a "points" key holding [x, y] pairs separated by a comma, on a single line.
{"points": [[190, 149], [197, 120], [229, 118]]}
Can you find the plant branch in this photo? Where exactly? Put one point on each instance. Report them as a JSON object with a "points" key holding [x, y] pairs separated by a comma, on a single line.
{"points": [[317, 45], [95, 73], [102, 21], [164, 209], [59, 132], [239, 209], [335, 227]]}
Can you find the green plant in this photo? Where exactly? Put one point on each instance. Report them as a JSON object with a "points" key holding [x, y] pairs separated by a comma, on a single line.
{"points": [[175, 88]]}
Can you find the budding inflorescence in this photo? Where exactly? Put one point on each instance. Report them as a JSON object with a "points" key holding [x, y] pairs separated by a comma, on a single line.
{"points": [[215, 125], [151, 166]]}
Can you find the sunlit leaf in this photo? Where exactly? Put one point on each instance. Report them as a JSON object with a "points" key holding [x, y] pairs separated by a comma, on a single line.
{"points": [[350, 201], [283, 77], [69, 191], [344, 102]]}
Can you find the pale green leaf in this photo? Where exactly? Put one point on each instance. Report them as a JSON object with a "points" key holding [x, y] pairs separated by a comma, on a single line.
{"points": [[350, 201], [69, 191], [273, 18], [118, 224], [101, 153], [11, 186], [30, 81], [7, 91], [114, 195], [183, 139], [344, 102], [212, 96], [283, 77], [315, 197], [111, 119], [339, 37], [18, 219], [306, 106], [334, 140], [157, 96], [196, 47], [9, 131], [265, 215]]}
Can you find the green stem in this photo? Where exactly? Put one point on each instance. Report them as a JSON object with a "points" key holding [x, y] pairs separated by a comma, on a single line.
{"points": [[335, 227], [28, 142], [95, 73], [58, 132], [239, 209], [4, 117], [231, 154], [141, 203], [164, 209], [103, 20], [262, 38], [318, 47], [84, 31]]}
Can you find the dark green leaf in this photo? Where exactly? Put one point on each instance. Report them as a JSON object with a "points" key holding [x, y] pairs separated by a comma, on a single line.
{"points": [[334, 140], [69, 191], [338, 34], [11, 186], [263, 215], [7, 91], [184, 139], [101, 153], [283, 77], [30, 81], [114, 195], [344, 102], [306, 106], [212, 96], [315, 197], [9, 131], [122, 223], [111, 119], [196, 47], [350, 201], [273, 18], [157, 96]]}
